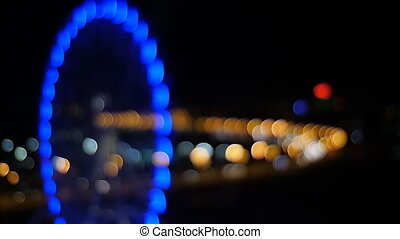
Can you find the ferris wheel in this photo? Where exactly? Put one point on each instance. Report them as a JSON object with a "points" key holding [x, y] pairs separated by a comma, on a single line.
{"points": [[103, 59]]}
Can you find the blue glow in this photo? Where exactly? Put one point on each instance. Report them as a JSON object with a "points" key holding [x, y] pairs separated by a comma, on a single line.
{"points": [[79, 16], [131, 21], [48, 91], [72, 29], [110, 8], [54, 205], [164, 144], [46, 170], [44, 130], [122, 12], [49, 187], [155, 72], [57, 56], [90, 8], [100, 11], [46, 110], [45, 149], [151, 218], [166, 128], [141, 32], [63, 40], [60, 220], [162, 177], [160, 99], [148, 51], [300, 107], [51, 75], [158, 202]]}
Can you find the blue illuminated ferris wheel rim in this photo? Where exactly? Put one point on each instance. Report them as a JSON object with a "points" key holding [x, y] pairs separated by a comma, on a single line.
{"points": [[118, 12]]}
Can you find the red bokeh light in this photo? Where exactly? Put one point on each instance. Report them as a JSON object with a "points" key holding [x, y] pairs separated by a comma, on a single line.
{"points": [[323, 91]]}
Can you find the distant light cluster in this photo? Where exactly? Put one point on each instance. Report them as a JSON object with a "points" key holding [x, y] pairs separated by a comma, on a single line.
{"points": [[20, 158], [276, 141]]}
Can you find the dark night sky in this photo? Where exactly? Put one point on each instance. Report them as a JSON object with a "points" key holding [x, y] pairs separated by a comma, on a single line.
{"points": [[218, 55]]}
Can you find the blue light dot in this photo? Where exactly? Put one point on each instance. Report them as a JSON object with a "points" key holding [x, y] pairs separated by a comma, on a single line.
{"points": [[54, 205], [90, 8], [110, 8], [148, 51], [141, 32], [164, 144], [131, 21], [100, 10], [45, 150], [79, 17], [48, 91], [51, 75], [46, 110], [63, 40], [151, 218], [44, 130], [72, 30], [158, 202], [122, 12], [49, 187], [300, 107], [162, 177], [160, 98], [46, 170], [155, 72], [282, 162], [60, 220], [166, 128], [57, 56]]}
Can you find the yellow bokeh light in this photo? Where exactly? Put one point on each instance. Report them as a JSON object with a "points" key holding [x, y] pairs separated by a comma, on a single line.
{"points": [[13, 177], [133, 119], [271, 152], [290, 128], [217, 125], [241, 126], [61, 164], [257, 149], [315, 131], [208, 124], [339, 138], [234, 153], [229, 125], [327, 142], [252, 124], [308, 127], [200, 158], [4, 169], [265, 127], [198, 124], [111, 169], [328, 131], [101, 120], [279, 128], [117, 160], [245, 157], [180, 119], [293, 150], [322, 130], [298, 129], [307, 137]]}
